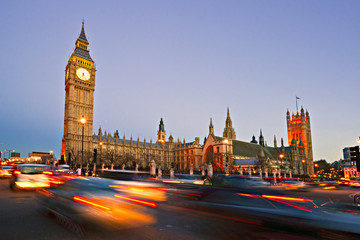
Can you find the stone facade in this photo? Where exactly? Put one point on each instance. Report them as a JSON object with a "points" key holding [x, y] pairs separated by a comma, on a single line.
{"points": [[79, 100], [222, 153]]}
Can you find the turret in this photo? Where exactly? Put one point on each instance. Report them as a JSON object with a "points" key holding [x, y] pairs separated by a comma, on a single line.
{"points": [[211, 127], [307, 116], [287, 115], [261, 139], [171, 139], [253, 140], [275, 143], [100, 132], [302, 114], [116, 134], [229, 131], [293, 142], [161, 132]]}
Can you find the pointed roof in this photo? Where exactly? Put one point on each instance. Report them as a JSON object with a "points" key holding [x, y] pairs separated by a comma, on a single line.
{"points": [[81, 51], [161, 126], [253, 140], [293, 141], [301, 144], [82, 36]]}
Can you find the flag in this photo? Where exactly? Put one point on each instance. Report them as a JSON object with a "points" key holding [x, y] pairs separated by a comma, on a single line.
{"points": [[297, 97]]}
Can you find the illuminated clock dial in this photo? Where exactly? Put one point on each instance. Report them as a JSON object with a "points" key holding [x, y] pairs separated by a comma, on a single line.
{"points": [[83, 74]]}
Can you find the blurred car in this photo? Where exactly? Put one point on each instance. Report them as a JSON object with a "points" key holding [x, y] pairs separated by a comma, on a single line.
{"points": [[64, 167], [125, 175], [105, 204], [5, 171], [270, 208], [343, 182], [313, 182], [185, 179], [294, 185], [328, 185], [59, 176], [239, 181], [354, 182], [29, 176]]}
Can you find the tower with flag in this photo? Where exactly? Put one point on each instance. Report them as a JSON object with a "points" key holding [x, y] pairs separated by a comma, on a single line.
{"points": [[299, 132]]}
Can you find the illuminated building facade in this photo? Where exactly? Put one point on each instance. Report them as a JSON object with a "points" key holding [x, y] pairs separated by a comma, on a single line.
{"points": [[299, 133], [111, 150], [79, 99]]}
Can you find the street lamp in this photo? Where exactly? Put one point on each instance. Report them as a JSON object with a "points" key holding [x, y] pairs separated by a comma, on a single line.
{"points": [[101, 143], [303, 161], [281, 158], [83, 122], [226, 141]]}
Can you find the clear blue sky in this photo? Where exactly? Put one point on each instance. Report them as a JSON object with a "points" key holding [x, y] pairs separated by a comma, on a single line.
{"points": [[185, 61]]}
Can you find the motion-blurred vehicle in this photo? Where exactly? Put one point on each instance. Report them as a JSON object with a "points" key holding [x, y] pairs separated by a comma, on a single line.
{"points": [[5, 171], [240, 181], [64, 167], [59, 176], [97, 203], [294, 185], [271, 208], [29, 176], [343, 182], [185, 179], [328, 185], [354, 182], [313, 182], [125, 175]]}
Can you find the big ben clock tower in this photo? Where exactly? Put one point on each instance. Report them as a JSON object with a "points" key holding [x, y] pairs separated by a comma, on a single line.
{"points": [[79, 102]]}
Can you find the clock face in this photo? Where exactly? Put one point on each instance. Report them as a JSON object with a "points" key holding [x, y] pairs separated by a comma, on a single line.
{"points": [[83, 74]]}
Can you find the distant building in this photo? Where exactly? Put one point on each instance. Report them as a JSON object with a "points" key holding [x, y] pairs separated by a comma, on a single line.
{"points": [[15, 155], [346, 153], [41, 157], [348, 166]]}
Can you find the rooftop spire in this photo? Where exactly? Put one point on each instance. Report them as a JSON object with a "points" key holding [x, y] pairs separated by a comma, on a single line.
{"points": [[229, 131], [161, 125], [211, 127], [82, 36]]}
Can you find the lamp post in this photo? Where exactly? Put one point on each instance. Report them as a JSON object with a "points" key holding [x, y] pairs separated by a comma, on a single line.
{"points": [[226, 141], [101, 143], [281, 161], [303, 161], [83, 122], [316, 165]]}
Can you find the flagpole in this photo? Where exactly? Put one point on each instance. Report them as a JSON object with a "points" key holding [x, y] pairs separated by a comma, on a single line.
{"points": [[297, 109]]}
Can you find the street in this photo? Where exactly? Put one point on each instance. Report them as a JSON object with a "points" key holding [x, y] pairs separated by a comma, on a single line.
{"points": [[20, 219]]}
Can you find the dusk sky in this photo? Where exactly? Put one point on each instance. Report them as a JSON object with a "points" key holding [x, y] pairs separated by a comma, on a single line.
{"points": [[184, 61]]}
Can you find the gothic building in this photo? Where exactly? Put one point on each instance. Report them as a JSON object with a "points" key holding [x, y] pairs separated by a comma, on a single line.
{"points": [[257, 156], [79, 99], [80, 146]]}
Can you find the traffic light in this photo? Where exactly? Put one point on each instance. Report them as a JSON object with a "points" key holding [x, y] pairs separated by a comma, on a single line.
{"points": [[355, 156]]}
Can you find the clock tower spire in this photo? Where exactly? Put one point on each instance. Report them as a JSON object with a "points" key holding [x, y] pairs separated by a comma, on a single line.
{"points": [[79, 102]]}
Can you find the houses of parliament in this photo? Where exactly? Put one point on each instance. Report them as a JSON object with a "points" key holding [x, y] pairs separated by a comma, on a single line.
{"points": [[81, 146]]}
